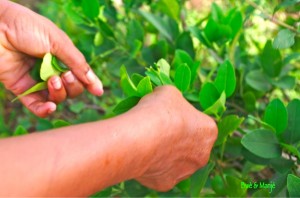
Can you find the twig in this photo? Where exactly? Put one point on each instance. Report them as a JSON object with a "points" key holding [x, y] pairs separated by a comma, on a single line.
{"points": [[272, 18]]}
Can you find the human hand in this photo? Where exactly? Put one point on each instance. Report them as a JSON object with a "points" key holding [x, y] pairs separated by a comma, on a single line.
{"points": [[180, 144], [24, 36]]}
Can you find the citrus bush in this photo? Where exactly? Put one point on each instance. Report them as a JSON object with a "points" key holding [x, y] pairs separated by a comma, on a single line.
{"points": [[238, 62]]}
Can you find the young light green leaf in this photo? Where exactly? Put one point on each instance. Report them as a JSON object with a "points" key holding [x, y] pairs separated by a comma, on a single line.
{"points": [[144, 87], [38, 87], [127, 85], [262, 143], [276, 116], [90, 8], [20, 130], [284, 39], [226, 80], [293, 183], [98, 39], [163, 66], [126, 104], [182, 77], [47, 70]]}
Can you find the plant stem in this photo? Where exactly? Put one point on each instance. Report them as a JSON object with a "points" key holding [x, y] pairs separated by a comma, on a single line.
{"points": [[272, 18]]}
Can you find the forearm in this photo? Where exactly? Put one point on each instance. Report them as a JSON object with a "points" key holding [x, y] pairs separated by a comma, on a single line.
{"points": [[77, 160]]}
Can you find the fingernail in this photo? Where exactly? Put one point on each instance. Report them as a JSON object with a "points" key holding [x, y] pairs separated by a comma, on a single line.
{"points": [[69, 77], [99, 88], [90, 76], [55, 81], [52, 108]]}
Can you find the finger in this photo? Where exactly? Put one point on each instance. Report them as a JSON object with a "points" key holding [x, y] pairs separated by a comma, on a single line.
{"points": [[64, 49], [72, 85], [57, 92], [35, 102]]}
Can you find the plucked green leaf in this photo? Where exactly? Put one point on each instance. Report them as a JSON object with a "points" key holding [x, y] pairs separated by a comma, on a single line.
{"points": [[182, 77], [262, 143], [127, 85], [226, 80], [163, 66], [38, 87], [47, 70], [284, 39], [126, 104], [58, 65], [276, 116]]}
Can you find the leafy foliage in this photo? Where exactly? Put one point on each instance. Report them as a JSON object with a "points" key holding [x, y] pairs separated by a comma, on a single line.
{"points": [[229, 62]]}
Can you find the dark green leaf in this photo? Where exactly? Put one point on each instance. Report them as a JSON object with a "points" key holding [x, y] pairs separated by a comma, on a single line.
{"points": [[276, 116], [182, 78], [77, 107], [198, 179], [293, 185], [271, 60], [184, 42], [103, 193], [58, 65], [250, 101], [134, 189], [226, 80], [284, 39], [90, 8], [261, 193], [126, 104], [182, 57], [208, 95], [262, 143], [226, 126], [285, 82], [60, 123], [291, 134], [258, 80]]}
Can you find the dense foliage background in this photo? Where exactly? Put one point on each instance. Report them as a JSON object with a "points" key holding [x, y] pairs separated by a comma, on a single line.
{"points": [[237, 61]]}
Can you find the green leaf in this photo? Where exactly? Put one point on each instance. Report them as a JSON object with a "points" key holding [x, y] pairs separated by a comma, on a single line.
{"points": [[258, 80], [20, 130], [285, 82], [182, 77], [154, 76], [182, 57], [127, 85], [47, 70], [103, 193], [218, 107], [136, 78], [291, 134], [262, 143], [163, 66], [185, 42], [284, 39], [169, 7], [38, 87], [74, 16], [271, 60], [208, 95], [58, 65], [77, 107], [276, 116], [261, 193], [250, 101], [144, 87], [98, 39], [184, 185], [291, 149], [226, 80], [90, 8], [226, 126], [158, 23], [293, 185], [60, 123], [285, 4], [126, 104], [233, 188], [198, 179]]}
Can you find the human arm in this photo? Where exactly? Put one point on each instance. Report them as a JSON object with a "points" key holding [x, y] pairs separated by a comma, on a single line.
{"points": [[25, 36], [159, 142]]}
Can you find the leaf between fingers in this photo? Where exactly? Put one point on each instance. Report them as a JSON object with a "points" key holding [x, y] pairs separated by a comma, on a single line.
{"points": [[38, 87]]}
